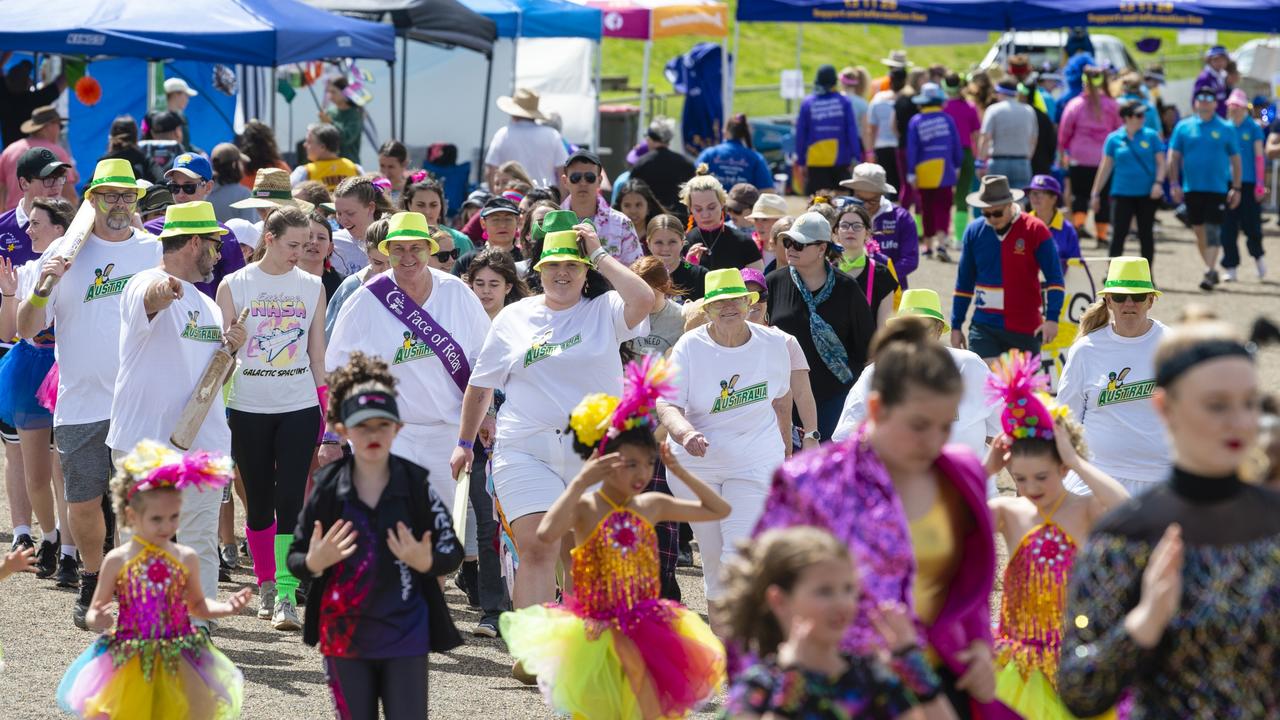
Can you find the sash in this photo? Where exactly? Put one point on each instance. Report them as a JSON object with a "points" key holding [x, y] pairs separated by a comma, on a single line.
{"points": [[424, 327]]}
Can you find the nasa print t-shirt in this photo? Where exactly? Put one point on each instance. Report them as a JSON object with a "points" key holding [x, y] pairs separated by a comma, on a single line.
{"points": [[274, 370]]}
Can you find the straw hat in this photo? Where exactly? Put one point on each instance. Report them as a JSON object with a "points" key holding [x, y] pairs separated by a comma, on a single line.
{"points": [[768, 205], [524, 104], [408, 226], [114, 173], [190, 218], [271, 189], [1129, 276], [921, 302], [727, 284], [995, 191], [896, 59], [561, 246]]}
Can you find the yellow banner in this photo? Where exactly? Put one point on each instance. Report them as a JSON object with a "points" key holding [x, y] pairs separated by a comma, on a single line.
{"points": [[693, 19]]}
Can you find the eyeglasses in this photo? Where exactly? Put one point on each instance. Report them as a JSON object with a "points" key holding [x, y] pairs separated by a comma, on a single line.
{"points": [[851, 227], [185, 188], [588, 177], [445, 256], [992, 214], [1122, 298], [54, 182], [790, 244], [111, 198]]}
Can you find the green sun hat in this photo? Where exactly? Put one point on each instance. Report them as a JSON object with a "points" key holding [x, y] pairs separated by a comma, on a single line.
{"points": [[727, 284], [408, 226], [921, 302], [190, 218], [561, 246], [1129, 276], [114, 173]]}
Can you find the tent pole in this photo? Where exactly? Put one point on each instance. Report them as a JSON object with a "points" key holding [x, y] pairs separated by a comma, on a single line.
{"points": [[725, 101], [484, 121], [404, 84], [644, 90], [271, 84], [595, 140], [733, 69], [391, 69]]}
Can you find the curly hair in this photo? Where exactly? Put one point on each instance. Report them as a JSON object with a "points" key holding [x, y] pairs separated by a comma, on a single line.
{"points": [[362, 373], [258, 141]]}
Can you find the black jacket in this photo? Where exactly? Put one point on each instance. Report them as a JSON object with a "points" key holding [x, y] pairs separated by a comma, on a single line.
{"points": [[428, 512]]}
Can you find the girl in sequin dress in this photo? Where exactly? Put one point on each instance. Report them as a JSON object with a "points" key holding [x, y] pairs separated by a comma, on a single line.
{"points": [[613, 650], [1042, 526], [155, 664]]}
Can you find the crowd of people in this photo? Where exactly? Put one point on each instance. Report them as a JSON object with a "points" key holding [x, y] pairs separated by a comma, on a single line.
{"points": [[547, 396]]}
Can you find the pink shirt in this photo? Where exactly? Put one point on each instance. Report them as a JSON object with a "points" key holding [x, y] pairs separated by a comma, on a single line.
{"points": [[1082, 132], [9, 167], [965, 116]]}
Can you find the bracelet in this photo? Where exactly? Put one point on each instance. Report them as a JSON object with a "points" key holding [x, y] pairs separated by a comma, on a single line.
{"points": [[597, 254], [329, 437], [38, 300], [329, 442], [5, 294], [467, 444]]}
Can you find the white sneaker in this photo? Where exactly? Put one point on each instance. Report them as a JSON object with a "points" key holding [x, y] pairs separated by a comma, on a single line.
{"points": [[1262, 268], [267, 600], [286, 616], [1228, 274]]}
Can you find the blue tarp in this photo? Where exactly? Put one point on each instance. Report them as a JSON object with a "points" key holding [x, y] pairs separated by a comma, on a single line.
{"points": [[540, 18], [247, 32], [968, 14], [1247, 15]]}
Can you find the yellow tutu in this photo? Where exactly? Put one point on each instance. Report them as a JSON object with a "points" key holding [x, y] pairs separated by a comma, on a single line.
{"points": [[1033, 696]]}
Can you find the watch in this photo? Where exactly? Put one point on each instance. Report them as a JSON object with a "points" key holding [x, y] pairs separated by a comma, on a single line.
{"points": [[811, 435]]}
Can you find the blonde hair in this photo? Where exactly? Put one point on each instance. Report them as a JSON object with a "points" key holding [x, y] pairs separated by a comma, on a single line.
{"points": [[775, 559], [701, 182]]}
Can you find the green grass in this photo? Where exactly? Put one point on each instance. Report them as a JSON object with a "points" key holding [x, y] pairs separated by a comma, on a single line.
{"points": [[768, 48]]}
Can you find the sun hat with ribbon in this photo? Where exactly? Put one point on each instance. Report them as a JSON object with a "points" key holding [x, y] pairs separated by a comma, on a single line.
{"points": [[727, 284], [408, 226], [190, 218], [554, 221], [1129, 276], [921, 302], [114, 173], [561, 246], [523, 104], [272, 189]]}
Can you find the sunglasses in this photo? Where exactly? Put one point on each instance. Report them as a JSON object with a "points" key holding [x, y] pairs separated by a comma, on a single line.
{"points": [[992, 214], [185, 188], [1137, 298], [445, 256], [790, 244], [588, 177]]}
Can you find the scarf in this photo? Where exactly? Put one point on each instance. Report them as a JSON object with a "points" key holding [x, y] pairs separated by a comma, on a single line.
{"points": [[830, 349]]}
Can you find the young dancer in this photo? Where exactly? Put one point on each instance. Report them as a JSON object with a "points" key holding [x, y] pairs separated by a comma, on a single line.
{"points": [[1043, 525], [155, 663], [373, 537], [790, 597], [613, 648]]}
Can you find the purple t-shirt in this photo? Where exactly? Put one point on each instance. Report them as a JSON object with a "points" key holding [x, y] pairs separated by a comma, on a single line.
{"points": [[15, 245], [231, 261], [965, 116]]}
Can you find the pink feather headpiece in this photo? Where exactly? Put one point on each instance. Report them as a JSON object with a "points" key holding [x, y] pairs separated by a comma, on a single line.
{"points": [[1017, 382], [159, 467]]}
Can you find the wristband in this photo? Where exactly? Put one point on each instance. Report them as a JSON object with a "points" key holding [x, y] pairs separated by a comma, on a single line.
{"points": [[38, 300], [329, 437], [4, 294], [467, 444], [598, 254]]}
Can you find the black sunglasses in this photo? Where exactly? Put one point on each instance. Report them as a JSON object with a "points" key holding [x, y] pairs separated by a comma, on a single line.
{"points": [[187, 188], [789, 244], [992, 214], [446, 255], [1137, 298], [588, 176]]}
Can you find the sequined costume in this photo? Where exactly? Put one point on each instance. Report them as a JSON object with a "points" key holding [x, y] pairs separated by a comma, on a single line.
{"points": [[613, 650], [1219, 655], [154, 664]]}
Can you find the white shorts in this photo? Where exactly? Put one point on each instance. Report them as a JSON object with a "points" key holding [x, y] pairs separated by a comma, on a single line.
{"points": [[430, 446], [529, 473]]}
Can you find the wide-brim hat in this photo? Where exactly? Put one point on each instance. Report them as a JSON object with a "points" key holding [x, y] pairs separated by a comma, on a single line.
{"points": [[869, 177], [930, 94], [114, 173], [896, 59], [554, 221], [40, 117], [727, 284], [524, 104], [1129, 276], [767, 206], [190, 218], [995, 191], [271, 189], [408, 226], [922, 302], [561, 246]]}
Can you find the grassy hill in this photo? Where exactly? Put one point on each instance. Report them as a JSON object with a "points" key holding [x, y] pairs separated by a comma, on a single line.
{"points": [[768, 48]]}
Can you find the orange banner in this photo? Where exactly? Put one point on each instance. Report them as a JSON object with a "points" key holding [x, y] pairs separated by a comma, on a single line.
{"points": [[692, 19]]}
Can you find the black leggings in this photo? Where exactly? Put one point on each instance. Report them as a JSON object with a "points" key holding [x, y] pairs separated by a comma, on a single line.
{"points": [[273, 452], [357, 686], [1143, 209], [1082, 178]]}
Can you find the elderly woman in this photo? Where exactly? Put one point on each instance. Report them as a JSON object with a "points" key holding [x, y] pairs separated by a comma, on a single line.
{"points": [[545, 353], [430, 358], [713, 243], [730, 418], [1109, 379], [826, 310]]}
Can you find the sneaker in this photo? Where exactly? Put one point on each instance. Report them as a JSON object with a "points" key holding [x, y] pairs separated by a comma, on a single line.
{"points": [[88, 586], [68, 575], [267, 600], [285, 617], [224, 575], [684, 558], [488, 627], [229, 557], [524, 676], [1262, 268], [1084, 233], [47, 558], [943, 255], [24, 541], [1228, 274], [467, 579], [1210, 279]]}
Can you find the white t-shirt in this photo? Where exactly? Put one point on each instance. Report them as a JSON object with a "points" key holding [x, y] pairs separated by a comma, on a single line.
{"points": [[85, 306], [795, 352], [546, 361], [161, 361], [977, 418], [274, 370], [1107, 382], [539, 148], [727, 395], [348, 255], [428, 393]]}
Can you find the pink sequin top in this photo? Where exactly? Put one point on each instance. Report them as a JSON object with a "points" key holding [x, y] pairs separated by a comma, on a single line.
{"points": [[153, 620], [616, 568]]}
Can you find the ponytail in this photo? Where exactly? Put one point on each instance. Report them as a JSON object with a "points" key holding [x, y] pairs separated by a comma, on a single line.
{"points": [[1095, 317]]}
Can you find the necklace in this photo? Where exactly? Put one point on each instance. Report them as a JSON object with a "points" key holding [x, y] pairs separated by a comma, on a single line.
{"points": [[711, 246]]}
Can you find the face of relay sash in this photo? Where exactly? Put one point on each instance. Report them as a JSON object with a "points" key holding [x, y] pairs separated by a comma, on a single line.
{"points": [[424, 327]]}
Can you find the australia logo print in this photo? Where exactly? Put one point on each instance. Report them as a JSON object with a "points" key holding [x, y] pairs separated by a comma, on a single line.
{"points": [[411, 348], [543, 348], [193, 330], [1118, 391], [104, 285], [731, 397]]}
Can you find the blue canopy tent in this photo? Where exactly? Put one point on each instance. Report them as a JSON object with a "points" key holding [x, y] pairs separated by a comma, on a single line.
{"points": [[1245, 15], [964, 14]]}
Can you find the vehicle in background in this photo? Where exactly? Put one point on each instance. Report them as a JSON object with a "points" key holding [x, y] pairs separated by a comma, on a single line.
{"points": [[1047, 45]]}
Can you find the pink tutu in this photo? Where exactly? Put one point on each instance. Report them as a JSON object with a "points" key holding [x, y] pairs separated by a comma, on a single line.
{"points": [[47, 393]]}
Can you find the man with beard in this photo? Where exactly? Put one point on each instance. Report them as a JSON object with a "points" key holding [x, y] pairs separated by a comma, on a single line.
{"points": [[169, 330], [191, 179], [85, 305]]}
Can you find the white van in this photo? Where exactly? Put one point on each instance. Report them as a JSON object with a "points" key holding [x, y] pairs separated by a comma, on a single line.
{"points": [[1042, 45]]}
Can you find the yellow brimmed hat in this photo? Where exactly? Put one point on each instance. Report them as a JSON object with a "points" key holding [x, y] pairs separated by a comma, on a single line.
{"points": [[727, 284], [561, 246], [923, 303], [1129, 276], [407, 226], [114, 173], [190, 218], [272, 189]]}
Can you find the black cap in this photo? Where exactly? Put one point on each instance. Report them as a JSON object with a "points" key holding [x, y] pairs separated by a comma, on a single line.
{"points": [[825, 77], [499, 205], [39, 162], [157, 198], [583, 155], [165, 121]]}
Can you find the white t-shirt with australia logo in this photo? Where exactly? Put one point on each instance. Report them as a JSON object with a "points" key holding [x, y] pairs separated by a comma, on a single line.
{"points": [[274, 371], [547, 360], [85, 307], [727, 395], [1108, 382], [161, 361], [428, 394]]}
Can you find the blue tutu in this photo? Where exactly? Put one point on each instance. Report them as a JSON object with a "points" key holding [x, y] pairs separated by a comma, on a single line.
{"points": [[22, 369]]}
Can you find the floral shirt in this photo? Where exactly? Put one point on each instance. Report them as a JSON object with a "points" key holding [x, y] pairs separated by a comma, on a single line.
{"points": [[866, 689], [617, 234]]}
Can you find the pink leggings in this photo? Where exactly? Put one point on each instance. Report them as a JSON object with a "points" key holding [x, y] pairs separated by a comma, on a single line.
{"points": [[935, 209]]}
